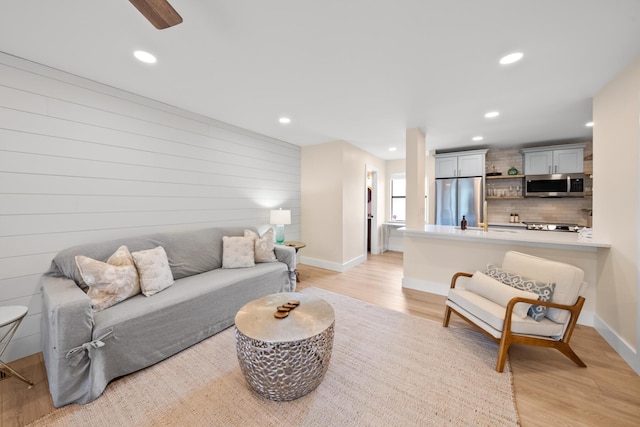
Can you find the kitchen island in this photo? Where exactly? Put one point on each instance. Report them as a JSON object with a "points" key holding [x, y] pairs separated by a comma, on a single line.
{"points": [[434, 254]]}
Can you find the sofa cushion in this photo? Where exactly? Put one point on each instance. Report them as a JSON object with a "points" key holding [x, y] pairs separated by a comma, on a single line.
{"points": [[111, 282], [264, 246], [154, 271], [499, 292], [493, 314], [237, 252], [189, 252], [543, 290], [568, 279]]}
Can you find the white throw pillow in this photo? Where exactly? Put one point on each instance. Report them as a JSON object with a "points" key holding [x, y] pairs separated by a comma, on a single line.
{"points": [[109, 282], [263, 246], [498, 292], [237, 252], [153, 268]]}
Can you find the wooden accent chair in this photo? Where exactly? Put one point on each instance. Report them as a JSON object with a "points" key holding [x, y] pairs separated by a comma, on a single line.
{"points": [[499, 321]]}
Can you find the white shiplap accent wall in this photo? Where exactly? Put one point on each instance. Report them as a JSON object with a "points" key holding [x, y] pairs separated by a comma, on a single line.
{"points": [[83, 162]]}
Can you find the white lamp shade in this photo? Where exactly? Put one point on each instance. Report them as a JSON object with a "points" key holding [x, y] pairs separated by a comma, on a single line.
{"points": [[280, 217]]}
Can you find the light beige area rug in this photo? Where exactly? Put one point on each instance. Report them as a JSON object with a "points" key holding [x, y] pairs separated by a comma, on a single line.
{"points": [[387, 369]]}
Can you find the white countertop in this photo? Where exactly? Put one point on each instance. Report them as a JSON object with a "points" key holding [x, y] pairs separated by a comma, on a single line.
{"points": [[567, 240]]}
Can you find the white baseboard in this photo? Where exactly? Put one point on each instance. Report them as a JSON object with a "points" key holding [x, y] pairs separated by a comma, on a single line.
{"points": [[628, 353], [425, 286], [333, 266], [586, 317]]}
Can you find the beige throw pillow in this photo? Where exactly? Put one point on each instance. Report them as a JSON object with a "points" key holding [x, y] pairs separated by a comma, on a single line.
{"points": [[109, 282], [237, 252], [264, 245], [154, 271], [499, 293]]}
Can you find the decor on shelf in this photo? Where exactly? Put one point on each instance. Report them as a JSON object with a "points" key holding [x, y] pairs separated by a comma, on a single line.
{"points": [[512, 171], [280, 218]]}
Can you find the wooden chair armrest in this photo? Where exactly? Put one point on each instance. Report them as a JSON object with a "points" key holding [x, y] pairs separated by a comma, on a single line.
{"points": [[574, 311], [572, 308], [455, 277]]}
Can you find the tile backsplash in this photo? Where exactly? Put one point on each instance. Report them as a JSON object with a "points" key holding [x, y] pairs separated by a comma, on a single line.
{"points": [[561, 210], [565, 210]]}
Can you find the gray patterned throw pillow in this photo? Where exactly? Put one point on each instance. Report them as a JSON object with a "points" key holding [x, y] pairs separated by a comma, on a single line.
{"points": [[545, 290]]}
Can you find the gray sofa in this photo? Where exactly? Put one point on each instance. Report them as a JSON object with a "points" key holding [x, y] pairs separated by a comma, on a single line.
{"points": [[85, 349]]}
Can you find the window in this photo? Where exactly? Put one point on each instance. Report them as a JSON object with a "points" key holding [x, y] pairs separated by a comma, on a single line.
{"points": [[399, 198]]}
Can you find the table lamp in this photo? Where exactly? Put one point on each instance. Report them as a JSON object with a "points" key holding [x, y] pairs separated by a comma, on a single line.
{"points": [[279, 218]]}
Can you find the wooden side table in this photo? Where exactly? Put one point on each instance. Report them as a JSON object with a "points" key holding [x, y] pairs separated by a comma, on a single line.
{"points": [[297, 246], [11, 315]]}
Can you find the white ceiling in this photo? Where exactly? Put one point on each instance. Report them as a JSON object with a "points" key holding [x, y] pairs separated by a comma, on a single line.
{"points": [[361, 71]]}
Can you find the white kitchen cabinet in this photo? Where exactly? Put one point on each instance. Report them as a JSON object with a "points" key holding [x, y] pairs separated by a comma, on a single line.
{"points": [[559, 159], [465, 163]]}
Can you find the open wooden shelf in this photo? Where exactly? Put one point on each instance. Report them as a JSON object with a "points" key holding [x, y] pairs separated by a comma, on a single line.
{"points": [[505, 176], [503, 198]]}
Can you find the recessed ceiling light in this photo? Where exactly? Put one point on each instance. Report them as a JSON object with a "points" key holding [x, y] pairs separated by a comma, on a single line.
{"points": [[589, 124], [284, 120], [145, 57], [393, 149], [492, 114], [477, 138], [511, 58]]}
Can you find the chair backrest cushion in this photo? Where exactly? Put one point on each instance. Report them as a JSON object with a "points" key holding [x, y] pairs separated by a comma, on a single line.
{"points": [[568, 279]]}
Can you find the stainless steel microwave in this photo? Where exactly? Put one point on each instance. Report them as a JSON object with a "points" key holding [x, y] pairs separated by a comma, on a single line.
{"points": [[555, 185]]}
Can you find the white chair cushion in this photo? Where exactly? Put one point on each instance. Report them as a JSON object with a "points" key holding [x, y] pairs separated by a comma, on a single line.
{"points": [[493, 315], [499, 293], [568, 279]]}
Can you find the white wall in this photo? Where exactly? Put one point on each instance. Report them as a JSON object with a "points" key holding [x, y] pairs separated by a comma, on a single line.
{"points": [[82, 162], [616, 154], [322, 202], [334, 204]]}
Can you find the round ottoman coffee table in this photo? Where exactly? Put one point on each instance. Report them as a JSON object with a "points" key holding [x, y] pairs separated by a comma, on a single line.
{"points": [[284, 359]]}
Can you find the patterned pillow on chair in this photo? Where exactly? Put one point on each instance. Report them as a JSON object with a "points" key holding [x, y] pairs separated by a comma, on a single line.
{"points": [[545, 290]]}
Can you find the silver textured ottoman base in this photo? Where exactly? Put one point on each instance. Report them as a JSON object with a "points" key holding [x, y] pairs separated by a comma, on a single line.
{"points": [[285, 370]]}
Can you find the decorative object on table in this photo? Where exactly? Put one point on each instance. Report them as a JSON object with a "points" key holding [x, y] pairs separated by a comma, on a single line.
{"points": [[280, 218], [11, 316], [284, 309], [463, 223], [512, 171]]}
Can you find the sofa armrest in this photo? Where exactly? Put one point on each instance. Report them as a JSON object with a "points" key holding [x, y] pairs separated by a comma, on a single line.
{"points": [[287, 255], [67, 323]]}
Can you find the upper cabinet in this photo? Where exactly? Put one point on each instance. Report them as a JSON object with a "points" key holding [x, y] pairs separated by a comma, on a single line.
{"points": [[459, 164], [556, 159]]}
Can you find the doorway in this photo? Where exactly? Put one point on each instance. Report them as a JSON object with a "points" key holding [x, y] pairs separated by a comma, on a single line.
{"points": [[371, 209]]}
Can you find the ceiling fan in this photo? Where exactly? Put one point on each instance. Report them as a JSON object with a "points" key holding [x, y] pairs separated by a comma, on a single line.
{"points": [[159, 12]]}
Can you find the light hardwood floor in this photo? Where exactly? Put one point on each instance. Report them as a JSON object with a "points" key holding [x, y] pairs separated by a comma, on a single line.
{"points": [[549, 388]]}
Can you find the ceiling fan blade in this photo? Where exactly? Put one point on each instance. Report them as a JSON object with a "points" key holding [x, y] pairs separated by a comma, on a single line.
{"points": [[159, 12]]}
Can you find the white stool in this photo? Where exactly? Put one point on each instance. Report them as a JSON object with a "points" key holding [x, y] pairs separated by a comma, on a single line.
{"points": [[11, 315]]}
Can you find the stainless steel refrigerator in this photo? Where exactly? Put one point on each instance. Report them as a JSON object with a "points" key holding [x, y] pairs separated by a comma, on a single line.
{"points": [[459, 196]]}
